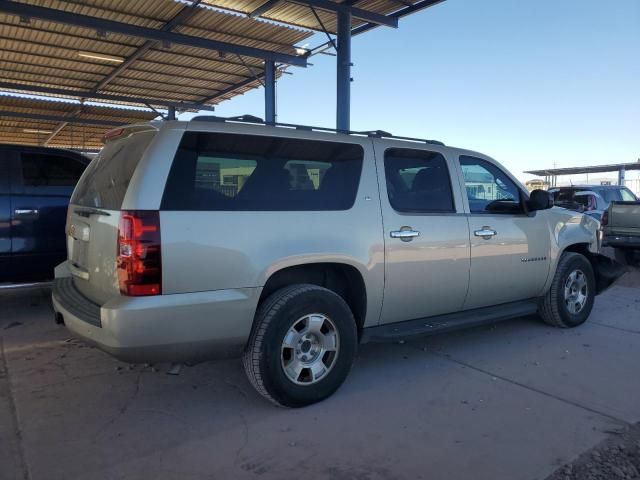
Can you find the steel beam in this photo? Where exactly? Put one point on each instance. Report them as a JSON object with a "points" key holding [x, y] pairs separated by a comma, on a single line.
{"points": [[359, 13], [103, 25], [183, 15], [30, 89], [58, 118], [269, 92], [264, 8], [343, 72], [420, 5]]}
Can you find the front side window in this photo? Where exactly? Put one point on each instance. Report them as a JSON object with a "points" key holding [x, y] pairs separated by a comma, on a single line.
{"points": [[489, 189], [418, 181], [218, 171]]}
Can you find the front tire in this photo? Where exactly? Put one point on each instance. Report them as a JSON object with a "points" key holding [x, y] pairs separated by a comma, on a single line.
{"points": [[569, 301], [302, 345]]}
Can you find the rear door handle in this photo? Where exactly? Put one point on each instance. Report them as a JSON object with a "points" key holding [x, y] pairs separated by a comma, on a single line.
{"points": [[485, 232], [26, 211], [405, 234]]}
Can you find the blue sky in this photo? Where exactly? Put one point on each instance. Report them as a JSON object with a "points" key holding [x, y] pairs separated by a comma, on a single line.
{"points": [[531, 84]]}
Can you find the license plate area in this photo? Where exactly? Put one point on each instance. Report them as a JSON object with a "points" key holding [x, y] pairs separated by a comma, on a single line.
{"points": [[78, 242]]}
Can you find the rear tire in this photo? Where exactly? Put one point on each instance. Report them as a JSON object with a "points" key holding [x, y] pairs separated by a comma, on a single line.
{"points": [[302, 345], [569, 301]]}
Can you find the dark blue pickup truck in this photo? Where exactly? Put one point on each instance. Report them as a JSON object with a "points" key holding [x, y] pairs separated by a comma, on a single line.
{"points": [[35, 186]]}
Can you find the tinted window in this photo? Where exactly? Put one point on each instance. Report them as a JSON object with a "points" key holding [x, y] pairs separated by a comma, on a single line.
{"points": [[216, 171], [42, 170], [489, 189], [106, 180], [610, 194], [418, 181]]}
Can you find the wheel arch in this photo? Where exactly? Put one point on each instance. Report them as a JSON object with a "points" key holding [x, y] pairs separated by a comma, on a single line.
{"points": [[342, 278], [605, 269]]}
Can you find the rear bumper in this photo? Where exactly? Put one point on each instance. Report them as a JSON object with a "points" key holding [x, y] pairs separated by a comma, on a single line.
{"points": [[164, 328], [621, 241]]}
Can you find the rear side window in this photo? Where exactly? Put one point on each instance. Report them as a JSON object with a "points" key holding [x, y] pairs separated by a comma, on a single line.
{"points": [[41, 170], [418, 181], [627, 196], [106, 180], [216, 171]]}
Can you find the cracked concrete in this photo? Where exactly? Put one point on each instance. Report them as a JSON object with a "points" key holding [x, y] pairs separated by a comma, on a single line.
{"points": [[515, 400]]}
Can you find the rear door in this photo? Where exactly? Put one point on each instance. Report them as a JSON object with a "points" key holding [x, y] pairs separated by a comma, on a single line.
{"points": [[509, 249], [94, 213], [5, 215], [44, 184], [426, 234]]}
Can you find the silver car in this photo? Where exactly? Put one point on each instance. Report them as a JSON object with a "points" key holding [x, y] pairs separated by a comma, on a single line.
{"points": [[290, 246]]}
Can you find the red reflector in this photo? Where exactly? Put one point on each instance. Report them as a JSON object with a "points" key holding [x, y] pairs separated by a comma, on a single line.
{"points": [[139, 256], [605, 217]]}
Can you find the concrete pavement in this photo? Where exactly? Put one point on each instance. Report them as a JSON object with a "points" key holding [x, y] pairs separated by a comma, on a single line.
{"points": [[510, 401]]}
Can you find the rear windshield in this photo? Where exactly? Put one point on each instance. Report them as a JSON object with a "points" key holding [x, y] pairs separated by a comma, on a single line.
{"points": [[104, 183], [215, 171]]}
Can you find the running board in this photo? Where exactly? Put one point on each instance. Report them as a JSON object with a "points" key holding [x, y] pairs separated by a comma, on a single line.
{"points": [[17, 286], [449, 322]]}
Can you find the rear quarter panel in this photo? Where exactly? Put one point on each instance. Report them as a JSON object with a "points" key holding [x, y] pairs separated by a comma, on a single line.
{"points": [[204, 251]]}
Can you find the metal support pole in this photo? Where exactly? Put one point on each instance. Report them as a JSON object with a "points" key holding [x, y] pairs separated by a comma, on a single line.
{"points": [[621, 173], [343, 70], [171, 113], [269, 91]]}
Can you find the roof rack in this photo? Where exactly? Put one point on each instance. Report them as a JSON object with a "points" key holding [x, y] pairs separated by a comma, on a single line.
{"points": [[257, 120]]}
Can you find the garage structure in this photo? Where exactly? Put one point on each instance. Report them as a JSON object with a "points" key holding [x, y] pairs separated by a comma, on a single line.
{"points": [[169, 55]]}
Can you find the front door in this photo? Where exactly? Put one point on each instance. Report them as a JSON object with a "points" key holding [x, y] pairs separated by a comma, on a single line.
{"points": [[426, 234], [6, 273], [509, 248]]}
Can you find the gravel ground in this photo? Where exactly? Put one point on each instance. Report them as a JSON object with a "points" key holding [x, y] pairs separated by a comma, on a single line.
{"points": [[618, 457]]}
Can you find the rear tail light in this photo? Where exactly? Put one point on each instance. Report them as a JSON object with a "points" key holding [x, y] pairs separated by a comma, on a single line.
{"points": [[605, 218], [139, 256]]}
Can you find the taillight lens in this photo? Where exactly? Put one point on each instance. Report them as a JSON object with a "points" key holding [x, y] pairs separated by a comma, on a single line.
{"points": [[605, 218], [139, 256]]}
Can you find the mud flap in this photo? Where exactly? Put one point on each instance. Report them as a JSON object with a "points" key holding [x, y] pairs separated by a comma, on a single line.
{"points": [[607, 271]]}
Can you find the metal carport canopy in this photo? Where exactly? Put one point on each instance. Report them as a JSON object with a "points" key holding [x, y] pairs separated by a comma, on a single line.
{"points": [[29, 121], [176, 54]]}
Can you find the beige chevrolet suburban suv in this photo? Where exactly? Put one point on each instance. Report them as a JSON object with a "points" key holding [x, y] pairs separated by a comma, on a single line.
{"points": [[291, 245]]}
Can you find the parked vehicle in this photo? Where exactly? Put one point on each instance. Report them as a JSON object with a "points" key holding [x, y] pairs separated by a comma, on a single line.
{"points": [[35, 186], [289, 246], [592, 200], [621, 226]]}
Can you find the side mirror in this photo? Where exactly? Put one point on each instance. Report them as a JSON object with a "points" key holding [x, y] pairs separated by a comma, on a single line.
{"points": [[540, 200]]}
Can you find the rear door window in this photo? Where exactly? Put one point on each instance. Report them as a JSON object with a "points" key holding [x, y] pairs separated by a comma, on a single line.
{"points": [[418, 181], [106, 180], [53, 174], [216, 171]]}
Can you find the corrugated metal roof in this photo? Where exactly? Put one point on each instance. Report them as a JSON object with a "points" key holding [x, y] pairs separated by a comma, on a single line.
{"points": [[302, 16], [45, 53], [78, 133]]}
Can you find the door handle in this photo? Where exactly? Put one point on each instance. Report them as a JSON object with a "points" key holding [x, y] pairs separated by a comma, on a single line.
{"points": [[406, 234], [485, 232], [26, 211]]}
